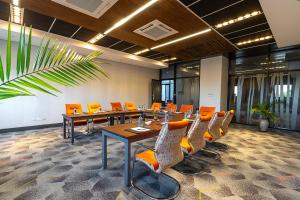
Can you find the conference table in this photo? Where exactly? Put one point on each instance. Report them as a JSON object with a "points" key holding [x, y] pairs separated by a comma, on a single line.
{"points": [[121, 133], [71, 118]]}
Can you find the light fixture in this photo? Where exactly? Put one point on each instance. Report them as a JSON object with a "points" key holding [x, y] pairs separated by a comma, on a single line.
{"points": [[96, 38], [232, 21], [182, 38], [255, 40], [142, 51], [169, 59], [122, 21], [126, 19], [16, 13]]}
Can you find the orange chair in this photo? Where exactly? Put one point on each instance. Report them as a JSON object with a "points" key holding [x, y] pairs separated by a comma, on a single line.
{"points": [[171, 106], [70, 108], [116, 106], [130, 106], [186, 108], [214, 127], [207, 110], [156, 106], [94, 108]]}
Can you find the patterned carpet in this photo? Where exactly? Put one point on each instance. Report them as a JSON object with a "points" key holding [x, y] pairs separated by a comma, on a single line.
{"points": [[40, 164]]}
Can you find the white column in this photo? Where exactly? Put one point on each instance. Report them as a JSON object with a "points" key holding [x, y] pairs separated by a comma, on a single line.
{"points": [[214, 82]]}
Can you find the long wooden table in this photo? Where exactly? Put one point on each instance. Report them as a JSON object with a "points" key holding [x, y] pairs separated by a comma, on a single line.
{"points": [[71, 118], [120, 133]]}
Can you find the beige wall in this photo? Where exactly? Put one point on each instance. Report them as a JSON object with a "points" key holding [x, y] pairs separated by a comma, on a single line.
{"points": [[126, 83]]}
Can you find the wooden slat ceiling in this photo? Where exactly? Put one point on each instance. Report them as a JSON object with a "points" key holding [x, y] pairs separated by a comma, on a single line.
{"points": [[164, 10], [185, 16]]}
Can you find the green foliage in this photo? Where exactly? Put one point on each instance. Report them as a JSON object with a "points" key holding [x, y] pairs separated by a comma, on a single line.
{"points": [[265, 112], [54, 63]]}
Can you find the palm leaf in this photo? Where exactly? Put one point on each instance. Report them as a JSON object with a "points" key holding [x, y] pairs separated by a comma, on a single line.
{"points": [[54, 63]]}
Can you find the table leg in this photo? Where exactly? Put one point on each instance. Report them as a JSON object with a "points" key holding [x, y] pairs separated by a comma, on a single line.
{"points": [[127, 172], [72, 131], [122, 118], [111, 121], [104, 150], [64, 128]]}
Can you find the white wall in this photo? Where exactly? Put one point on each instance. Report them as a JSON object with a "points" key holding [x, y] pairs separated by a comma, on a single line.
{"points": [[214, 82], [126, 83]]}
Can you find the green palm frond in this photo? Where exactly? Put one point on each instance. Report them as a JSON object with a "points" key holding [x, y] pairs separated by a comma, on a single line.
{"points": [[54, 63]]}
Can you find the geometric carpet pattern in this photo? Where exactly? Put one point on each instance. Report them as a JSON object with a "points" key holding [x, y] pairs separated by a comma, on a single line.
{"points": [[40, 164]]}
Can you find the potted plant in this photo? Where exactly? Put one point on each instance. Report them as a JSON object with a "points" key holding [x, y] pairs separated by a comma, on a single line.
{"points": [[266, 115]]}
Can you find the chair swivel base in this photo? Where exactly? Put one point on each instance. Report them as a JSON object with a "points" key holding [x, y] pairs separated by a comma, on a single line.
{"points": [[191, 165], [217, 145], [207, 153], [153, 185]]}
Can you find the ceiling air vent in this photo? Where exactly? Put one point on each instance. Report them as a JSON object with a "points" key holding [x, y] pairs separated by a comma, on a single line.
{"points": [[94, 8], [155, 30]]}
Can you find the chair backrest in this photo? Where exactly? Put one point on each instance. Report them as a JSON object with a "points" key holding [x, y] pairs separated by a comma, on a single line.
{"points": [[156, 106], [94, 107], [186, 108], [116, 106], [215, 124], [167, 147], [130, 106], [70, 108], [227, 119], [207, 110], [195, 135], [171, 105]]}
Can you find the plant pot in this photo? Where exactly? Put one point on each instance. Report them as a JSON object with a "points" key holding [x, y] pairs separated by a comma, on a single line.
{"points": [[263, 125]]}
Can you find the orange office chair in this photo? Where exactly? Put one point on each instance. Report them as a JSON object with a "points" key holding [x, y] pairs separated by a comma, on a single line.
{"points": [[70, 108], [214, 127], [227, 119], [167, 153], [192, 143], [156, 106], [207, 110], [130, 106], [186, 108], [116, 106], [94, 108], [171, 106]]}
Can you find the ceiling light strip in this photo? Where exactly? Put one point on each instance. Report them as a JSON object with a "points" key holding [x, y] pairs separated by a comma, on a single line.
{"points": [[258, 45], [115, 43], [245, 28], [122, 21], [249, 34], [16, 13], [193, 3], [127, 48], [169, 59], [255, 40], [142, 51], [222, 8], [76, 32], [182, 38], [51, 25], [238, 19]]}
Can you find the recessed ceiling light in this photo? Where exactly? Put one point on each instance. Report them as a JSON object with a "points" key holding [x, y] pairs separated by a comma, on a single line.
{"points": [[122, 21], [255, 40], [182, 38], [232, 21], [126, 19], [16, 13]]}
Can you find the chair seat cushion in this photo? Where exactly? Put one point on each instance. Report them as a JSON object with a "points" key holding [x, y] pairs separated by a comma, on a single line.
{"points": [[185, 146], [208, 136], [78, 122], [148, 157], [100, 120]]}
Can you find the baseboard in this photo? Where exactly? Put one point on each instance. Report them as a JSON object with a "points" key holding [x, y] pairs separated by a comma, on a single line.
{"points": [[30, 128]]}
